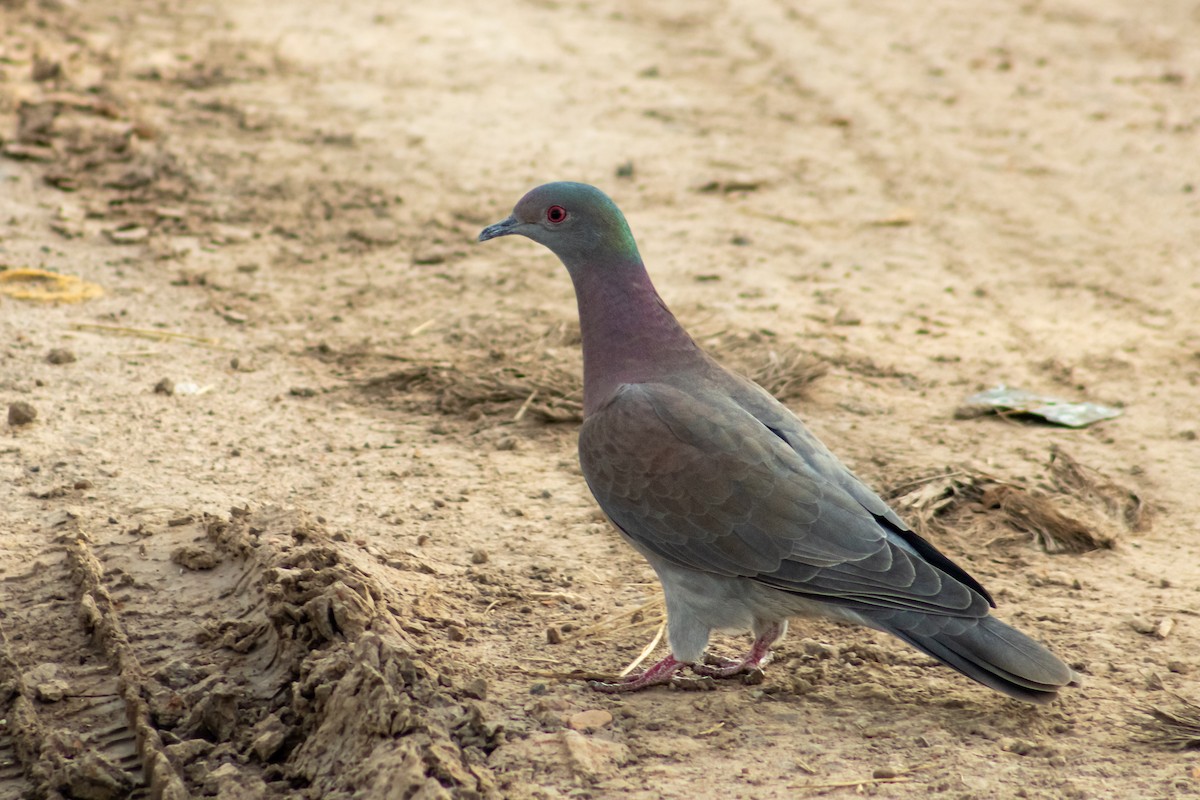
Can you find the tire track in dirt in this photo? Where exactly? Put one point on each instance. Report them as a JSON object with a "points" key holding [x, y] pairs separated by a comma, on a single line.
{"points": [[249, 653], [1018, 181], [75, 724], [913, 118], [905, 91]]}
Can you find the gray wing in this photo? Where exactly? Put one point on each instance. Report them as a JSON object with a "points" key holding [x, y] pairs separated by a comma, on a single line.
{"points": [[701, 482], [784, 424]]}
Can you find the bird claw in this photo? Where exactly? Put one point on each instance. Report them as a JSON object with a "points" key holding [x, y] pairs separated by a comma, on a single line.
{"points": [[662, 673], [665, 673], [616, 688], [717, 667]]}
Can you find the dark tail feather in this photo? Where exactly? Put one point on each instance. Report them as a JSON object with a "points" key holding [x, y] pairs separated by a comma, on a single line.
{"points": [[998, 656]]}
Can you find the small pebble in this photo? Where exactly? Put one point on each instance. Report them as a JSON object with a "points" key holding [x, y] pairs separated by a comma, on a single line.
{"points": [[21, 413], [1021, 747], [165, 386], [456, 634], [479, 556], [590, 720], [553, 635], [884, 773], [817, 649], [84, 484], [60, 355], [477, 688], [1178, 667], [51, 691]]}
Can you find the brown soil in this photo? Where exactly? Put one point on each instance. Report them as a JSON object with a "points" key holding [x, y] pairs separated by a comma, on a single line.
{"points": [[293, 508]]}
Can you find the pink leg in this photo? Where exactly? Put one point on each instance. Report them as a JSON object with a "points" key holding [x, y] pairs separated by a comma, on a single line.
{"points": [[756, 659], [656, 675]]}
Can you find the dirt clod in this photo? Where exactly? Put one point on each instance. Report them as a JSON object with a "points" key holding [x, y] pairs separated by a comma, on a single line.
{"points": [[51, 691], [21, 413], [61, 355], [195, 557], [268, 736]]}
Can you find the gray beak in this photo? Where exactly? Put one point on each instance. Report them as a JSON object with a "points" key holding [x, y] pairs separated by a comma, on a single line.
{"points": [[501, 228]]}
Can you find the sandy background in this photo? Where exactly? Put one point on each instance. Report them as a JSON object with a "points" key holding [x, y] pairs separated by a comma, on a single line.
{"points": [[329, 556]]}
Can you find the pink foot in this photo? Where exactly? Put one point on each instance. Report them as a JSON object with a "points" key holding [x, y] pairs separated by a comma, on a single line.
{"points": [[758, 657], [663, 672]]}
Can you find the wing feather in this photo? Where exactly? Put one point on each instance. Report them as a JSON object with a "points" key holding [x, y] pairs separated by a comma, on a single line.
{"points": [[706, 485]]}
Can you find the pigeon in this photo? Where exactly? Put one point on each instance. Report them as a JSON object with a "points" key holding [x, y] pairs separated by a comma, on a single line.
{"points": [[747, 519]]}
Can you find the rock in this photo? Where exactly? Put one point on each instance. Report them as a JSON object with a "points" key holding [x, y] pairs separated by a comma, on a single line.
{"points": [[268, 736], [189, 750], [479, 556], [165, 386], [477, 688], [228, 234], [21, 413], [128, 235], [591, 720], [51, 691], [429, 257], [28, 152], [378, 232], [61, 355], [1021, 747], [234, 783], [194, 558], [93, 776], [812, 647], [214, 714]]}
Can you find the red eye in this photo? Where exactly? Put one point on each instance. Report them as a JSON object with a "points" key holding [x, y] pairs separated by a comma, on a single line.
{"points": [[556, 214]]}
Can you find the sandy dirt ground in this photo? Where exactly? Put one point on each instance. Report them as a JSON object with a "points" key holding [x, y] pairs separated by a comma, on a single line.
{"points": [[300, 515]]}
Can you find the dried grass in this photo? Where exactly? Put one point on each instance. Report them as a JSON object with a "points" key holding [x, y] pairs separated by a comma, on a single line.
{"points": [[1070, 509], [783, 369], [1176, 727], [1092, 486], [526, 372]]}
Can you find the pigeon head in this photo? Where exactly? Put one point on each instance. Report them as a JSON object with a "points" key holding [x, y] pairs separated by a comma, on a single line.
{"points": [[577, 222]]}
